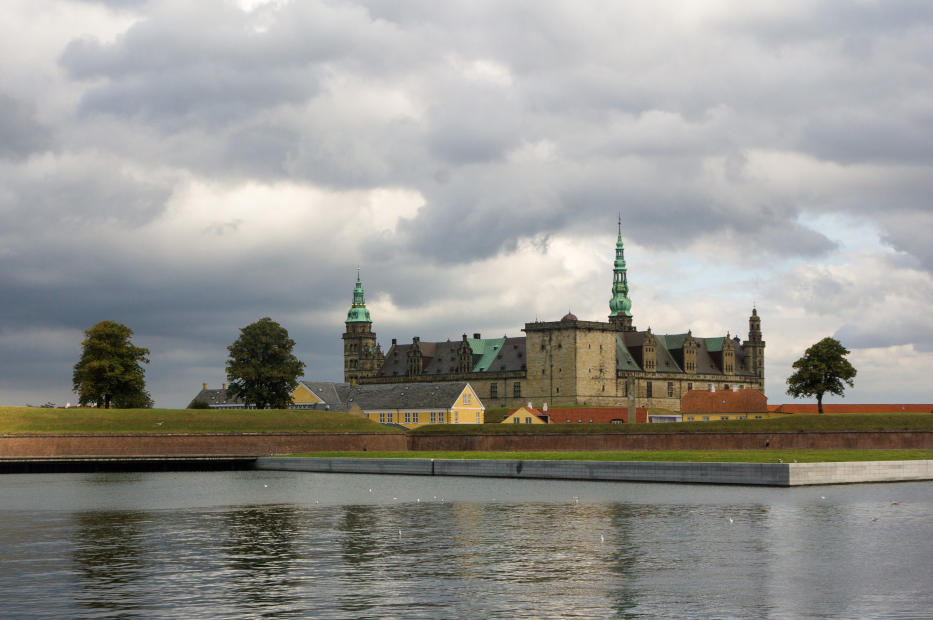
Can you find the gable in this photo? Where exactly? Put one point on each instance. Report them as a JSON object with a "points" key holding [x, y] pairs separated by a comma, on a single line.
{"points": [[304, 395]]}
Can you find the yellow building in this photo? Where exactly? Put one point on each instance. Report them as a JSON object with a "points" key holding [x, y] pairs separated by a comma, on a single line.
{"points": [[525, 415], [416, 404], [320, 395]]}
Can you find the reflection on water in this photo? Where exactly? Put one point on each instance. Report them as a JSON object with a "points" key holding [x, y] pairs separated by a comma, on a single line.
{"points": [[150, 545]]}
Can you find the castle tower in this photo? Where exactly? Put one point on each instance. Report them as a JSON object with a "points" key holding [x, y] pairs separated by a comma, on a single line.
{"points": [[362, 357], [620, 304], [755, 348]]}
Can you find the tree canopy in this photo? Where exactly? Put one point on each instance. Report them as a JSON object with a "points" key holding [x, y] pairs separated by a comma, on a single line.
{"points": [[823, 368], [261, 369], [110, 371]]}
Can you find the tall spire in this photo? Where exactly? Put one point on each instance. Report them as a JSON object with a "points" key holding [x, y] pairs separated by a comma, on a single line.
{"points": [[620, 304], [358, 312]]}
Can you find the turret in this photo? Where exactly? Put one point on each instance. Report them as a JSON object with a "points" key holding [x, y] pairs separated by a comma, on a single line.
{"points": [[362, 357], [755, 348], [620, 305]]}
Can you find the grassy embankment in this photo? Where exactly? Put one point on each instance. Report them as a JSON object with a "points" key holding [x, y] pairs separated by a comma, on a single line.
{"points": [[15, 420], [38, 420], [694, 456], [788, 423]]}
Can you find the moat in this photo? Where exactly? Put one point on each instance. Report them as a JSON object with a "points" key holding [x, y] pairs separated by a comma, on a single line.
{"points": [[252, 543]]}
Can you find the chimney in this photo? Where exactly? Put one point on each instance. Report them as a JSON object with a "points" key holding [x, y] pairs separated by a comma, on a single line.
{"points": [[224, 386], [203, 386], [476, 336], [544, 408], [529, 405], [394, 342], [415, 339]]}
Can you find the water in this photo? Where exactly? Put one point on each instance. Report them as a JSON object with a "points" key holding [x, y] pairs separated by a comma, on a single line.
{"points": [[254, 544]]}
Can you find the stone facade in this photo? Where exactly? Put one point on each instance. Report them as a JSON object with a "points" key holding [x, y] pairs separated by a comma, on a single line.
{"points": [[566, 362]]}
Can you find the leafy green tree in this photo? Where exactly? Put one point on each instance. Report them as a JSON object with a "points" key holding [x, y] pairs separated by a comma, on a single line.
{"points": [[823, 368], [261, 370], [110, 370]]}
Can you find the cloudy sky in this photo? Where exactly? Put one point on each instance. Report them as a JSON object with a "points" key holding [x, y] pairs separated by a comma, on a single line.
{"points": [[186, 168]]}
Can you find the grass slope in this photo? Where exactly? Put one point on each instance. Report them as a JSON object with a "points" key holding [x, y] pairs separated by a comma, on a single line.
{"points": [[693, 456], [789, 423], [15, 420]]}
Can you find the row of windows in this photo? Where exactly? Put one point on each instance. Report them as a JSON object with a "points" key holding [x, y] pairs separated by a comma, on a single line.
{"points": [[649, 388], [516, 390], [423, 417], [705, 418]]}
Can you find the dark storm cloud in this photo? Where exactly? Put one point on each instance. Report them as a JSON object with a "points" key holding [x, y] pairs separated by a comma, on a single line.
{"points": [[515, 122], [20, 133]]}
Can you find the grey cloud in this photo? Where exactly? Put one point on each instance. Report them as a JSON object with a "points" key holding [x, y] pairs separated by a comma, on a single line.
{"points": [[20, 133], [629, 110], [917, 333]]}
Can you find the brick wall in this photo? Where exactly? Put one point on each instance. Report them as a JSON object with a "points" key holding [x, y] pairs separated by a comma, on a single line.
{"points": [[181, 445], [257, 445]]}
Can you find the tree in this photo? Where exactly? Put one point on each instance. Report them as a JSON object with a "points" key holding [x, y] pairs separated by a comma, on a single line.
{"points": [[823, 368], [110, 370], [262, 370]]}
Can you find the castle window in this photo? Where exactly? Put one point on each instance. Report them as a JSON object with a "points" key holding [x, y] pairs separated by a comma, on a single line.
{"points": [[648, 389], [527, 420], [689, 386], [517, 389], [407, 417], [670, 389], [516, 420], [382, 418], [466, 399], [493, 390]]}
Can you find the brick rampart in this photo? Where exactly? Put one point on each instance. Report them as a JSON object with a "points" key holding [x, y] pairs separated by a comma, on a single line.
{"points": [[182, 445], [267, 444], [679, 441]]}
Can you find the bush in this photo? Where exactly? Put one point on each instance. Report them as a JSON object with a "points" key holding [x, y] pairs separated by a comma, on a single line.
{"points": [[198, 404]]}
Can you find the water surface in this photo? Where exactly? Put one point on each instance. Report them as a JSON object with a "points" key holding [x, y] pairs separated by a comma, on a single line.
{"points": [[263, 543]]}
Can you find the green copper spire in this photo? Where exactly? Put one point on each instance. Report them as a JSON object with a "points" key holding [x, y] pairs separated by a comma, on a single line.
{"points": [[358, 312], [620, 304]]}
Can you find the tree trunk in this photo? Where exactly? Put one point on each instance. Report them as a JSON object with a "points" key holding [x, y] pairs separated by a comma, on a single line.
{"points": [[819, 403]]}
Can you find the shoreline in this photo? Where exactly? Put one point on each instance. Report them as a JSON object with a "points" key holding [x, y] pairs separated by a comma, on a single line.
{"points": [[743, 474], [746, 474]]}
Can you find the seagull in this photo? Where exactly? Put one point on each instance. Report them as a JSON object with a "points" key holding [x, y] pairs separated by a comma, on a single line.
{"points": [[400, 534], [602, 538], [731, 520], [822, 497], [266, 486], [895, 503], [370, 490], [159, 423]]}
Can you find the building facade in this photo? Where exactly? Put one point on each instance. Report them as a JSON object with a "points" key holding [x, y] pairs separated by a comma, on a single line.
{"points": [[565, 362]]}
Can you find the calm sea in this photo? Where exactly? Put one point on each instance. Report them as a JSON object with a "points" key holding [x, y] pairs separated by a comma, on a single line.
{"points": [[255, 544]]}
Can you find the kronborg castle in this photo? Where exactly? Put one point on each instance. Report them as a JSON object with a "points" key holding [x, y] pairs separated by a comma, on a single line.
{"points": [[564, 362]]}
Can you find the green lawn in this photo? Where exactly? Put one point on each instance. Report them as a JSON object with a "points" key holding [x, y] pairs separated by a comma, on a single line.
{"points": [[787, 423], [699, 456], [39, 420]]}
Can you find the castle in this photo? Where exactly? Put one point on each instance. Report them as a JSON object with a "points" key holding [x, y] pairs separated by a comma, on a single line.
{"points": [[565, 362]]}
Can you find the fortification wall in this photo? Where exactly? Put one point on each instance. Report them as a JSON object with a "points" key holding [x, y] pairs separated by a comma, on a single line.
{"points": [[267, 444]]}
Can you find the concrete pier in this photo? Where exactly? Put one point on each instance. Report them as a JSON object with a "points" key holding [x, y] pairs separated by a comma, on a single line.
{"points": [[759, 474]]}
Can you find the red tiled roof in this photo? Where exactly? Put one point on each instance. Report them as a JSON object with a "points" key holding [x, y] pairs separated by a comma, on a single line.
{"points": [[854, 408], [724, 401]]}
